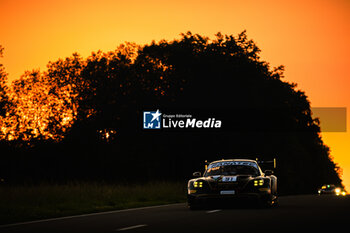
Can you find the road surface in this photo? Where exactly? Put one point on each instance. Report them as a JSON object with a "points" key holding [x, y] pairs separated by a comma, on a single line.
{"points": [[306, 213]]}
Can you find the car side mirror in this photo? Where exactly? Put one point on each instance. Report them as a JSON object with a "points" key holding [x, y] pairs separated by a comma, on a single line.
{"points": [[196, 174], [268, 172]]}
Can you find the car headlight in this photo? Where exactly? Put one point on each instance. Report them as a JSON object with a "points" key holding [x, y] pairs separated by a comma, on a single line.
{"points": [[337, 191], [198, 184], [258, 182]]}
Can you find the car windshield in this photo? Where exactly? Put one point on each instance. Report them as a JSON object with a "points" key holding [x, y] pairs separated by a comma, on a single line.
{"points": [[228, 170]]}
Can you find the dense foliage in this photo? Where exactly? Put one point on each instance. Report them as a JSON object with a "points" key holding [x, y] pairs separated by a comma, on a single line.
{"points": [[81, 118]]}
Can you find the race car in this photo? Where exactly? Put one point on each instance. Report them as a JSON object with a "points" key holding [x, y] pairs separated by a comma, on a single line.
{"points": [[230, 180], [331, 189]]}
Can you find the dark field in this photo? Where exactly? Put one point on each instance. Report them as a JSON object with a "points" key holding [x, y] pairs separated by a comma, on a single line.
{"points": [[25, 203]]}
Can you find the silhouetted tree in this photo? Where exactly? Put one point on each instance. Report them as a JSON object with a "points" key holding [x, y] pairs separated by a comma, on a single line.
{"points": [[106, 93], [273, 118]]}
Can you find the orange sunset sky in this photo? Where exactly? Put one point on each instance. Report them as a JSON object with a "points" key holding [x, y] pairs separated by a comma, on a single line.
{"points": [[311, 38]]}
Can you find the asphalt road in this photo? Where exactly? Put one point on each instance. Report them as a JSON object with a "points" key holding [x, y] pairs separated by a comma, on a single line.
{"points": [[294, 214]]}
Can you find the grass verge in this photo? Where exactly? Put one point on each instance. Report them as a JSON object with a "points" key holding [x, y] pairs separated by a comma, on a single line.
{"points": [[26, 203]]}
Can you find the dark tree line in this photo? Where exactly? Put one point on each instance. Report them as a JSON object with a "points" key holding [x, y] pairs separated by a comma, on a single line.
{"points": [[106, 93]]}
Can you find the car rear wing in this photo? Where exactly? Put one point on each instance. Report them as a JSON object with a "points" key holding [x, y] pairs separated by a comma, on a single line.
{"points": [[274, 162]]}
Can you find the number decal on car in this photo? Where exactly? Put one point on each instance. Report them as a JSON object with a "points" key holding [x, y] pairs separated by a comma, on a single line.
{"points": [[229, 179]]}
